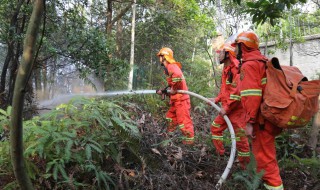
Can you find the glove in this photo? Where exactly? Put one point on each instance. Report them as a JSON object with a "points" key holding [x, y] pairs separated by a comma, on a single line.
{"points": [[163, 92], [159, 91]]}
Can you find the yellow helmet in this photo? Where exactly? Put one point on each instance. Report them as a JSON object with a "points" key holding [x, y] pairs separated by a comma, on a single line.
{"points": [[168, 55], [227, 47]]}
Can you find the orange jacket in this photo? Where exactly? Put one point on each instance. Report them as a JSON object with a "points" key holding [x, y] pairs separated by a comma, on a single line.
{"points": [[229, 94], [176, 81], [253, 80]]}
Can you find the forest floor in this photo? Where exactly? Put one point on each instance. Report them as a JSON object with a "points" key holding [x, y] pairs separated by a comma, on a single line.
{"points": [[196, 167], [167, 164]]}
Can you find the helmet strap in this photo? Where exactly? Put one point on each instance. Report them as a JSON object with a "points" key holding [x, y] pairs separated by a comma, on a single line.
{"points": [[225, 56], [165, 70], [230, 76], [239, 56], [163, 59]]}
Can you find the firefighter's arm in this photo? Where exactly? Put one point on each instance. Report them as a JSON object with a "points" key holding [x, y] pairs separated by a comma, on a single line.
{"points": [[229, 107], [250, 90], [231, 104], [222, 88], [234, 97], [218, 98]]}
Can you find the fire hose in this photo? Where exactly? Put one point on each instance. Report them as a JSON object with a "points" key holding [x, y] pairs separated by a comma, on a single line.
{"points": [[117, 93], [232, 134]]}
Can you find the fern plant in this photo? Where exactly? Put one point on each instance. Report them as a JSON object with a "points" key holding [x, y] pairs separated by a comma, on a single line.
{"points": [[77, 144], [313, 165], [5, 162], [4, 122], [250, 177]]}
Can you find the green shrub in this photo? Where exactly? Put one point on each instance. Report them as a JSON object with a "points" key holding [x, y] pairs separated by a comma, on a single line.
{"points": [[77, 145]]}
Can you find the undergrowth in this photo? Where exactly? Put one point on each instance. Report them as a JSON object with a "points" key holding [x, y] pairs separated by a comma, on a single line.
{"points": [[77, 145]]}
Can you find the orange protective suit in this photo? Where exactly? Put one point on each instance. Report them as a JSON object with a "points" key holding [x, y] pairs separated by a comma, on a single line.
{"points": [[179, 111], [229, 96], [253, 80]]}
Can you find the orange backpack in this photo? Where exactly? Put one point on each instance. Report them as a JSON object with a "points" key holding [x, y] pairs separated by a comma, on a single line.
{"points": [[289, 99]]}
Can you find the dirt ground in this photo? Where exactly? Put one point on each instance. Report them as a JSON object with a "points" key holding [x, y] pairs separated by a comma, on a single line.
{"points": [[176, 166]]}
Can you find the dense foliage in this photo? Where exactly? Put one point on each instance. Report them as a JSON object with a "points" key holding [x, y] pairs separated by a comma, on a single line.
{"points": [[121, 143], [76, 145], [104, 144]]}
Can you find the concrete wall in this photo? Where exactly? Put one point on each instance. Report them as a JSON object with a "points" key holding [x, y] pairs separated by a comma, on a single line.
{"points": [[306, 56]]}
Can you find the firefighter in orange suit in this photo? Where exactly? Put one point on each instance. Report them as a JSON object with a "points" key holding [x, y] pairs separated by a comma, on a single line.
{"points": [[252, 83], [229, 96], [179, 111]]}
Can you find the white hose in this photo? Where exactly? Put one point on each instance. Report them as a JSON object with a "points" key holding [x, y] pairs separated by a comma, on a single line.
{"points": [[232, 134]]}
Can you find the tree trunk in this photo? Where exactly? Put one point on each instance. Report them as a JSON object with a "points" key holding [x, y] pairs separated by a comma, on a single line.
{"points": [[13, 25], [23, 75], [109, 18], [37, 82], [52, 78], [16, 58], [111, 21], [119, 37], [194, 50], [314, 132], [315, 128], [5, 68], [45, 83], [266, 45], [133, 24], [291, 44], [3, 101]]}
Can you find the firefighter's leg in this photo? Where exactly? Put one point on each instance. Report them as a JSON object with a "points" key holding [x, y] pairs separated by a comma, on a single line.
{"points": [[171, 119], [264, 150], [184, 121], [243, 149], [217, 128]]}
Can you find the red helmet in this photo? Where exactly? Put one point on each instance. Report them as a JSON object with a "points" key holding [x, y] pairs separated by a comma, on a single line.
{"points": [[249, 39]]}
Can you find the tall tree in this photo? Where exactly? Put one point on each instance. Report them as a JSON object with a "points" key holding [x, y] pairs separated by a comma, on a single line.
{"points": [[11, 37], [112, 20], [271, 10], [133, 24], [23, 76]]}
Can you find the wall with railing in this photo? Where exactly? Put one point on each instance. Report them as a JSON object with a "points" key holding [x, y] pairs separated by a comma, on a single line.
{"points": [[306, 55]]}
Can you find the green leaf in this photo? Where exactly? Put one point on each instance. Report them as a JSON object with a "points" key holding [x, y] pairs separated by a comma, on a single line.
{"points": [[97, 148], [63, 171], [251, 4], [9, 109], [67, 150], [55, 172], [3, 112], [88, 152]]}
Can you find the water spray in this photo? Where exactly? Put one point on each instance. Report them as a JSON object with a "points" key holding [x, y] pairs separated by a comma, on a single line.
{"points": [[131, 92]]}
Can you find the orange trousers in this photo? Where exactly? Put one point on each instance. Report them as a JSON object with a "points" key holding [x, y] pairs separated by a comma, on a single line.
{"points": [[264, 151], [237, 121], [179, 115]]}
